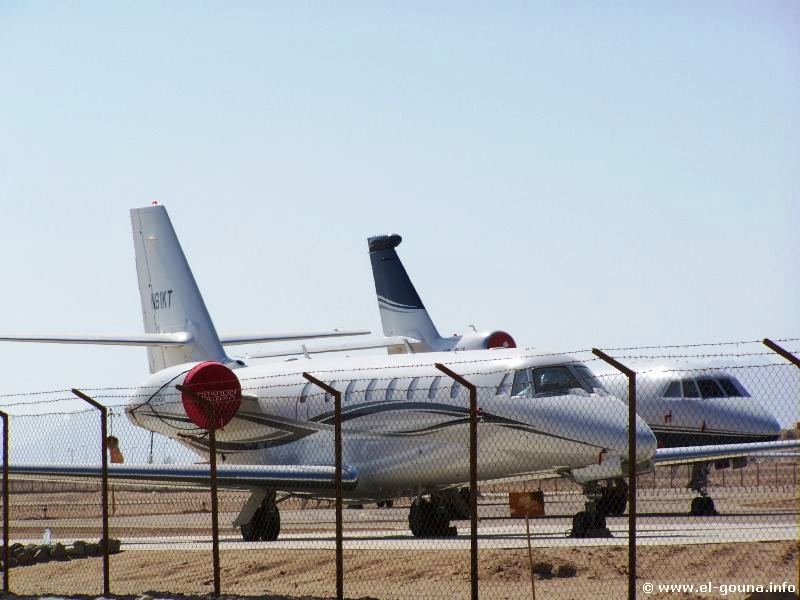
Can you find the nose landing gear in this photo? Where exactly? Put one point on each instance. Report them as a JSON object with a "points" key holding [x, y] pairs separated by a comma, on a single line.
{"points": [[703, 505], [591, 522]]}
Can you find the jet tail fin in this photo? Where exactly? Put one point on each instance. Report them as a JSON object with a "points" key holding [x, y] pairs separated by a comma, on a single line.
{"points": [[171, 300], [401, 308]]}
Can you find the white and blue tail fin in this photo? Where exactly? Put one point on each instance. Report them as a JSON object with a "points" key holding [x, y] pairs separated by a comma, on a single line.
{"points": [[401, 308], [171, 300]]}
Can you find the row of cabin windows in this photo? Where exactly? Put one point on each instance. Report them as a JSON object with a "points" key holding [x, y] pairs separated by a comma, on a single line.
{"points": [[548, 380], [393, 392], [705, 387]]}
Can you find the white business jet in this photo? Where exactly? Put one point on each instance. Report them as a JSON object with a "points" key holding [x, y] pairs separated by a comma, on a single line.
{"points": [[708, 406], [404, 424]]}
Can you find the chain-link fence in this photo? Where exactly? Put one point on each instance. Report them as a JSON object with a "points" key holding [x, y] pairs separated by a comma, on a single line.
{"points": [[551, 462]]}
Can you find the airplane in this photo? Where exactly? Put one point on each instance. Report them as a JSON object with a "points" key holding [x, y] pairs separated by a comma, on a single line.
{"points": [[404, 424], [707, 406]]}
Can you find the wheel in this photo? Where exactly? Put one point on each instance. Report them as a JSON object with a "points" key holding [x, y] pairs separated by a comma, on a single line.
{"points": [[703, 506], [429, 519], [388, 503], [581, 523], [271, 525], [381, 503], [417, 517], [265, 525]]}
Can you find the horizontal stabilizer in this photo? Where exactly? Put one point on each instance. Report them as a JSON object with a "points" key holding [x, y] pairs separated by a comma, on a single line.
{"points": [[384, 342], [256, 338], [692, 454], [277, 477], [178, 338]]}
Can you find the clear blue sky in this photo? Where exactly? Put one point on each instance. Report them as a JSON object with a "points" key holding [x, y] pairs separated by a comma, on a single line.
{"points": [[580, 174]]}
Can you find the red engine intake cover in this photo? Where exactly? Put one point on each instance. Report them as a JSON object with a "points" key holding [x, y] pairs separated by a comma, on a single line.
{"points": [[500, 339], [219, 385]]}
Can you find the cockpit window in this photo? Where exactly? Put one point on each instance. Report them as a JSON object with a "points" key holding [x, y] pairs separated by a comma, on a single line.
{"points": [[732, 388], [590, 378], [710, 389], [690, 389], [554, 380], [522, 384], [673, 390], [505, 385]]}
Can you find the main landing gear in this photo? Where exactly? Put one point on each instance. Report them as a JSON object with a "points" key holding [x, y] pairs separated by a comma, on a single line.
{"points": [[703, 505], [430, 517], [265, 522]]}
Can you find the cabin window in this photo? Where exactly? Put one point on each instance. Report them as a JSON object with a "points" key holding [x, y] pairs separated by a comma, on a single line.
{"points": [[348, 393], [328, 395], [522, 383], [434, 387], [412, 387], [690, 389], [554, 380], [505, 385], [673, 390], [306, 392], [454, 390], [373, 383], [391, 390], [710, 389]]}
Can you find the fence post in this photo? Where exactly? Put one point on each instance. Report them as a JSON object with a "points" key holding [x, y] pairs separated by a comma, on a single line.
{"points": [[4, 416], [631, 375], [337, 457], [473, 476], [104, 481], [212, 464]]}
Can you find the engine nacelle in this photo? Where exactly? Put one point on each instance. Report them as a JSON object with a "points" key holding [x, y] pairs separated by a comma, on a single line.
{"points": [[214, 382], [485, 341]]}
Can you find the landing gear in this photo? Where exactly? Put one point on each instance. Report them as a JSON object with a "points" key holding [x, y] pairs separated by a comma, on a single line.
{"points": [[428, 517], [591, 522], [265, 523], [703, 505], [385, 503]]}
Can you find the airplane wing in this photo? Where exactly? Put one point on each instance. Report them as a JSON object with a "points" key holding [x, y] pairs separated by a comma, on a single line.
{"points": [[177, 338], [692, 454], [384, 342], [278, 477]]}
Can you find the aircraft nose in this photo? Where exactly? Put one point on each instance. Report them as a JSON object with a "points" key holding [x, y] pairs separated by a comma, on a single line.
{"points": [[646, 443]]}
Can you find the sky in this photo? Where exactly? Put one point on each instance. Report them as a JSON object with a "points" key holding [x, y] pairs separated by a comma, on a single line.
{"points": [[578, 174]]}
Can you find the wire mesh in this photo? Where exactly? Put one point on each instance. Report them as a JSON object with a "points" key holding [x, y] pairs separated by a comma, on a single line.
{"points": [[551, 427]]}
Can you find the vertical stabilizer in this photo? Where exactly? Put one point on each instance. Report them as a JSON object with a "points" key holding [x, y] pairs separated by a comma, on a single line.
{"points": [[170, 298], [402, 311]]}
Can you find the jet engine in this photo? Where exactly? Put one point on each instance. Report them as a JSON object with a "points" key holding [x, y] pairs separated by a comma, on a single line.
{"points": [[485, 341], [155, 400]]}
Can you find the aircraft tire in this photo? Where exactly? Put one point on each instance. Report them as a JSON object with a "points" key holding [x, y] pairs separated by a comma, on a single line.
{"points": [[582, 522], [428, 519], [271, 526], [703, 506]]}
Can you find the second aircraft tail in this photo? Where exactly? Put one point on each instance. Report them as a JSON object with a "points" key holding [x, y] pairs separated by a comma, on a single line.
{"points": [[402, 310]]}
